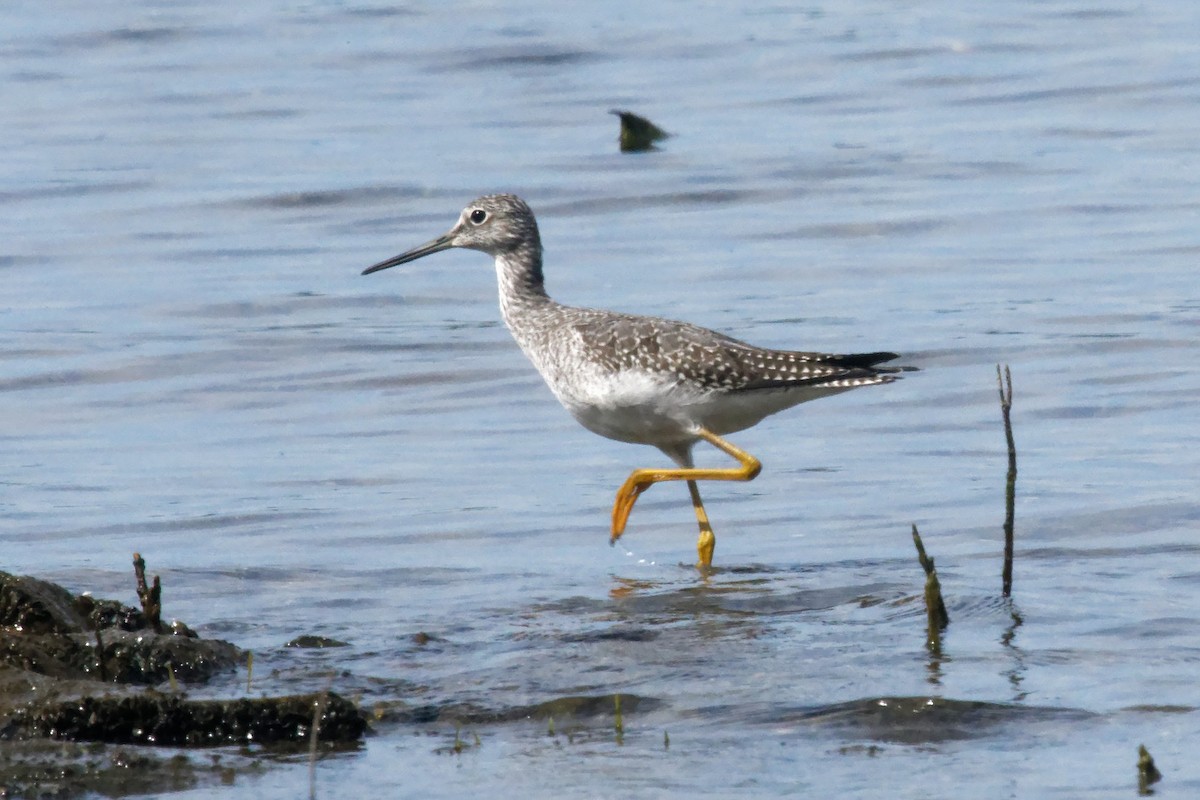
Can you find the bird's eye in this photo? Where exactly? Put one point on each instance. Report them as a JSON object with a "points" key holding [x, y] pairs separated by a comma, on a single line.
{"points": [[478, 216]]}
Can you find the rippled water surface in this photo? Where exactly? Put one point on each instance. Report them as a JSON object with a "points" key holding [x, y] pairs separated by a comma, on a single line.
{"points": [[192, 367]]}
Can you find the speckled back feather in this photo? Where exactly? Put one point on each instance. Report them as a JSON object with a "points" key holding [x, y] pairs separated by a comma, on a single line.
{"points": [[713, 360]]}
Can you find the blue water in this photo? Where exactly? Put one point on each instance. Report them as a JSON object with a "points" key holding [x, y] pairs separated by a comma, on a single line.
{"points": [[192, 367]]}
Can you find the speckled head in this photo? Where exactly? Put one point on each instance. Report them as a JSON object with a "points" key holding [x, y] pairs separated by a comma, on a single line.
{"points": [[496, 224]]}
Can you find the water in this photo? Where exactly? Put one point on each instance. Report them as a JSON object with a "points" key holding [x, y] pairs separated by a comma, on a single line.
{"points": [[193, 368]]}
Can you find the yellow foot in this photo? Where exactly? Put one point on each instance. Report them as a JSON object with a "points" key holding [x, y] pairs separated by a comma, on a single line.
{"points": [[623, 505], [642, 479], [705, 547]]}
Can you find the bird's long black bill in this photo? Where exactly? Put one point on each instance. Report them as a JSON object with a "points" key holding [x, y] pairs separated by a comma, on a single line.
{"points": [[437, 245]]}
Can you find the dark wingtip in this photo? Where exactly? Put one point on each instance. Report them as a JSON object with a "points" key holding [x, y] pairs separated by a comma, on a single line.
{"points": [[860, 359], [870, 361]]}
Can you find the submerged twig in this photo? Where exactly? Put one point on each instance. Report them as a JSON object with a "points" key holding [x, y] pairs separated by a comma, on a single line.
{"points": [[100, 665], [314, 735], [618, 721], [1010, 491], [151, 597], [1147, 772], [935, 607]]}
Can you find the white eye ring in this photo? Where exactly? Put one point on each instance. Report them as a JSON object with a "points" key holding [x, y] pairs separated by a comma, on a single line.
{"points": [[478, 216]]}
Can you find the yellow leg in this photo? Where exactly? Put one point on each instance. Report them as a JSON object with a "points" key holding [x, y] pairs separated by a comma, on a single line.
{"points": [[642, 479], [708, 540]]}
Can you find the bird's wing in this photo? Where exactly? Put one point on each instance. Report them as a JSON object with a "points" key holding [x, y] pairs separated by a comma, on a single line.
{"points": [[696, 355]]}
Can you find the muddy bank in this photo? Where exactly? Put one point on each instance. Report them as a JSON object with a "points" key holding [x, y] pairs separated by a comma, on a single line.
{"points": [[78, 669]]}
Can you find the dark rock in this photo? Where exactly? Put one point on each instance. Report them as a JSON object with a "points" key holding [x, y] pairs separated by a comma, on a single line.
{"points": [[60, 655], [33, 606], [151, 718]]}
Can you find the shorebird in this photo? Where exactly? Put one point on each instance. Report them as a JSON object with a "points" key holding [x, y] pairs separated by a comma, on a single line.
{"points": [[643, 379]]}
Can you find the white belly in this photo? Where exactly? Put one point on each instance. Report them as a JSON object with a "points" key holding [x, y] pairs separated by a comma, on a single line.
{"points": [[645, 408]]}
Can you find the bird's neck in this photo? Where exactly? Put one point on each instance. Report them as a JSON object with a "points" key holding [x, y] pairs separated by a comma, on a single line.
{"points": [[522, 287]]}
